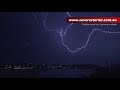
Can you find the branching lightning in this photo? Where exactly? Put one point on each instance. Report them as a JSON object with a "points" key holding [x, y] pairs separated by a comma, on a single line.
{"points": [[63, 33]]}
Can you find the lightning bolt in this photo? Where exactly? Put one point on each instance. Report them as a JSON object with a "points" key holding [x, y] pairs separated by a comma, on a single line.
{"points": [[63, 33]]}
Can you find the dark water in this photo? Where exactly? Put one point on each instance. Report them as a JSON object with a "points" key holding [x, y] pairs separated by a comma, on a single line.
{"points": [[67, 73]]}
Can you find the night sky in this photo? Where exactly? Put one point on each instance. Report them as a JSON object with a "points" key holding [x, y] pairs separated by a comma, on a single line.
{"points": [[24, 39]]}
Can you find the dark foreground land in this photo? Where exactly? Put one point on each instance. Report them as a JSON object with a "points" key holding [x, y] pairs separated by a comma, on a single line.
{"points": [[69, 73], [60, 71]]}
